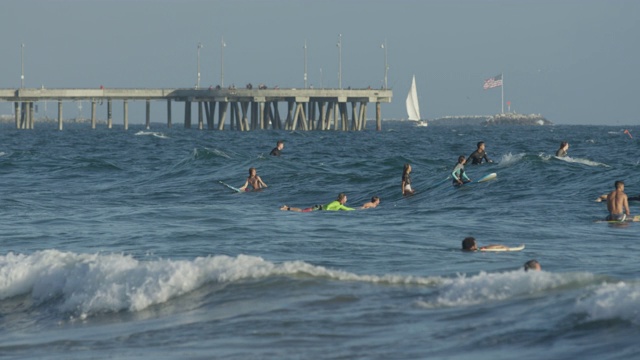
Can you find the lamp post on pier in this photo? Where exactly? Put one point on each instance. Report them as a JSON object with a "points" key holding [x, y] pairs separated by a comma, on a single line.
{"points": [[339, 61], [386, 66], [22, 65], [198, 81], [305, 64], [222, 46]]}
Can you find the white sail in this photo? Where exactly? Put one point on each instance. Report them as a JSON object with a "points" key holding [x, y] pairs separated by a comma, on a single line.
{"points": [[413, 108]]}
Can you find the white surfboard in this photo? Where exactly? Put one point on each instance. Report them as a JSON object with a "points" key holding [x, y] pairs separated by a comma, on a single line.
{"points": [[513, 248], [230, 187], [488, 177]]}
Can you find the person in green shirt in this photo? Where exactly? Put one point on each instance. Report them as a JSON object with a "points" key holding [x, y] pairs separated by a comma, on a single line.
{"points": [[335, 205]]}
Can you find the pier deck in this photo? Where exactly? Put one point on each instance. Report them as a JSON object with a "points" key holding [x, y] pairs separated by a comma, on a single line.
{"points": [[248, 108]]}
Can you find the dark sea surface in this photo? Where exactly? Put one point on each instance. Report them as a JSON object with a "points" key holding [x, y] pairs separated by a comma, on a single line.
{"points": [[122, 244]]}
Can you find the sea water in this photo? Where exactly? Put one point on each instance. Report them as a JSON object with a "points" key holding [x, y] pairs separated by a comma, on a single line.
{"points": [[122, 244]]}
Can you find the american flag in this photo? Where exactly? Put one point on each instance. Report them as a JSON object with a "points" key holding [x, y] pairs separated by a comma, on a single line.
{"points": [[493, 82]]}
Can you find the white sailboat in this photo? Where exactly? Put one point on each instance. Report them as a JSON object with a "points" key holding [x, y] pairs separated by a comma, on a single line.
{"points": [[413, 107]]}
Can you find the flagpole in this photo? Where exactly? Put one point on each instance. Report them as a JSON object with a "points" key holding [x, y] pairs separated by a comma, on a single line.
{"points": [[502, 87]]}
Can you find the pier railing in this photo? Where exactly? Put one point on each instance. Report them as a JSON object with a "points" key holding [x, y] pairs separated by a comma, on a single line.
{"points": [[248, 108]]}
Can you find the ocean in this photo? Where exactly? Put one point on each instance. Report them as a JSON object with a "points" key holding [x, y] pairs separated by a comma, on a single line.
{"points": [[123, 244]]}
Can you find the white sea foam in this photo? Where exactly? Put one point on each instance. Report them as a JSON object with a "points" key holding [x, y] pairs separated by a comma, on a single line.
{"points": [[581, 161], [483, 287], [151, 133], [612, 301], [510, 159], [92, 283]]}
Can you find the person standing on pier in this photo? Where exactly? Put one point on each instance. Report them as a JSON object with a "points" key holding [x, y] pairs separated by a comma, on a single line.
{"points": [[254, 180], [477, 156], [276, 150]]}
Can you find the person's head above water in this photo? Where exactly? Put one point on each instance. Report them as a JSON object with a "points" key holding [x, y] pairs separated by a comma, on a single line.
{"points": [[532, 265], [469, 244]]}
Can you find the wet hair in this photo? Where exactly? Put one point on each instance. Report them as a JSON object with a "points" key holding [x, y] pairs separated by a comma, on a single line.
{"points": [[280, 142], [460, 158], [531, 265], [563, 144], [374, 199], [468, 243], [341, 196], [619, 183], [406, 168], [252, 169], [480, 143]]}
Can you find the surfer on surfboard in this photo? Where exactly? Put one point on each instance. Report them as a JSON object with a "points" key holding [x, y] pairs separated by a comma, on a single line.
{"points": [[335, 205], [458, 174], [254, 180], [469, 244]]}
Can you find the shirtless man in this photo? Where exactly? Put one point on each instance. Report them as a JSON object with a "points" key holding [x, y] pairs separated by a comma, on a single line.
{"points": [[375, 201], [618, 203]]}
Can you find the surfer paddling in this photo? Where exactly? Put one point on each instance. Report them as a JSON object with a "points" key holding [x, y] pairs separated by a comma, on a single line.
{"points": [[254, 180], [335, 205], [375, 201], [469, 244], [458, 174]]}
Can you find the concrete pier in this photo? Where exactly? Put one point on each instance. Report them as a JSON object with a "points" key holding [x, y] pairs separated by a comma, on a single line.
{"points": [[248, 108]]}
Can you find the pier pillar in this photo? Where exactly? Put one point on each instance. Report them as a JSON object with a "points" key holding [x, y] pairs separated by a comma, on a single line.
{"points": [[254, 115], [187, 114], [378, 117], [200, 117], [125, 109], [354, 115], [18, 113], [207, 113], [148, 114], [211, 115], [109, 114], [23, 115], [289, 121], [336, 115], [222, 114], [239, 120], [169, 113], [245, 119], [261, 114], [93, 113], [277, 122], [30, 115], [60, 115]]}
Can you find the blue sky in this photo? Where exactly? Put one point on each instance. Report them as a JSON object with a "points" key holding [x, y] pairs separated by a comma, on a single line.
{"points": [[572, 61]]}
